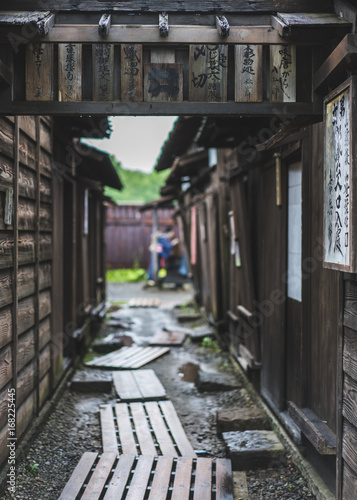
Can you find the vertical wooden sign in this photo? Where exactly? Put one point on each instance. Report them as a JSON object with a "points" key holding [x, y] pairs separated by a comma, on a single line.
{"points": [[248, 73], [131, 72], [103, 71], [208, 70], [39, 72], [163, 82], [283, 73], [69, 72], [339, 181]]}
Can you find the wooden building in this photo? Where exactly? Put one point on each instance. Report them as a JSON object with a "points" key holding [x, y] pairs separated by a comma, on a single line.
{"points": [[52, 259], [263, 163]]}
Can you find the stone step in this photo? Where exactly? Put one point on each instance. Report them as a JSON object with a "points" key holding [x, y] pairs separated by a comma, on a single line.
{"points": [[215, 381], [241, 419], [254, 449]]}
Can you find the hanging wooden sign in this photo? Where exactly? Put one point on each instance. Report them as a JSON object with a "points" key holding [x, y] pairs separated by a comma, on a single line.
{"points": [[283, 73], [249, 73], [208, 73], [131, 72], [69, 72], [39, 72], [103, 71], [340, 230], [163, 82]]}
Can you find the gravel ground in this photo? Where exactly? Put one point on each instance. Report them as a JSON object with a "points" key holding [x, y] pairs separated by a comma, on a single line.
{"points": [[74, 427]]}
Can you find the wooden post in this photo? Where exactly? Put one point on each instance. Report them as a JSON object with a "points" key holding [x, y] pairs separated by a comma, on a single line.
{"points": [[248, 73], [103, 72], [37, 266], [15, 308], [277, 157], [155, 231], [208, 70], [69, 72], [283, 73]]}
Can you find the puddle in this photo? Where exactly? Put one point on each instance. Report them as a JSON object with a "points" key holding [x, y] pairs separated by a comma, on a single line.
{"points": [[188, 372]]}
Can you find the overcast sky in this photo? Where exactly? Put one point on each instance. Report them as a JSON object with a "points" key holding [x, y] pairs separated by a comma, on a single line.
{"points": [[136, 141]]}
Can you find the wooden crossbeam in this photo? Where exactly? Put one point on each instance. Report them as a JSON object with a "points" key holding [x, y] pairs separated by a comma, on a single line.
{"points": [[144, 428], [135, 478]]}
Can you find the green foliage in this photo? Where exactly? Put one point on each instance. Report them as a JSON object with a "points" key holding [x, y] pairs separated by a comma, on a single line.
{"points": [[32, 469], [125, 275], [138, 186], [210, 344]]}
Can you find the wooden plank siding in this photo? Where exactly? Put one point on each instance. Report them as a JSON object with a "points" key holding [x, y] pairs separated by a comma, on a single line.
{"points": [[26, 253]]}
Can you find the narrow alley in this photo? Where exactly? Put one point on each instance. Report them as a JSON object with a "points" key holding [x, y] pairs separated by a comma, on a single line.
{"points": [[198, 378]]}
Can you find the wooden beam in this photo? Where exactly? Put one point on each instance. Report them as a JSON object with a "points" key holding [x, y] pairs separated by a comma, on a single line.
{"points": [[222, 26], [164, 24], [290, 25], [338, 65], [183, 5], [45, 25], [105, 23], [279, 109], [150, 34]]}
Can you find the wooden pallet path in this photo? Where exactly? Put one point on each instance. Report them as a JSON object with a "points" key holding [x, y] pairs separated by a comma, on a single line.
{"points": [[151, 428], [144, 302], [163, 338], [128, 357], [138, 385], [109, 477]]}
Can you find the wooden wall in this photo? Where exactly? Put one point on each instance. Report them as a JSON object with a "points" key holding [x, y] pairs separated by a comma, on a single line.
{"points": [[27, 356], [128, 234]]}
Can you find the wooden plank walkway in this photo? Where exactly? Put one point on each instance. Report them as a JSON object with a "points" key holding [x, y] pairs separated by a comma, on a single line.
{"points": [[128, 357], [138, 385], [109, 477], [168, 338], [151, 428], [144, 302]]}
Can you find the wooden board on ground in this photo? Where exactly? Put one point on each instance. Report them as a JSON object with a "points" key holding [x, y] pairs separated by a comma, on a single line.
{"points": [[142, 477], [151, 428], [138, 385], [128, 358], [144, 302], [168, 338]]}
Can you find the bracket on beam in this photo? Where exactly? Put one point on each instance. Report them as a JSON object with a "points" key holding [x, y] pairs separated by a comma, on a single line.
{"points": [[222, 26], [164, 24], [105, 24], [45, 25]]}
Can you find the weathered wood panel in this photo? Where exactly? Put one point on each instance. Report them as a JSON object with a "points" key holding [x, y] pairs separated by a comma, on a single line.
{"points": [[45, 247], [248, 73], [4, 450], [103, 71], [39, 72], [349, 403], [27, 183], [349, 445], [5, 366], [44, 332], [349, 483], [163, 82], [350, 353], [6, 172], [25, 414], [131, 72], [45, 190], [44, 389], [46, 222], [208, 70], [25, 349], [4, 405], [283, 73], [27, 126], [25, 383], [45, 135], [69, 72], [45, 361], [45, 275], [350, 305], [6, 249], [26, 215], [45, 163], [5, 326], [6, 137], [27, 151]]}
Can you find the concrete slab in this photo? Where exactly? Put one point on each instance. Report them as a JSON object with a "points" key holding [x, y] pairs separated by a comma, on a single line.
{"points": [[254, 449], [242, 419], [214, 382]]}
